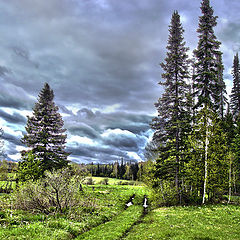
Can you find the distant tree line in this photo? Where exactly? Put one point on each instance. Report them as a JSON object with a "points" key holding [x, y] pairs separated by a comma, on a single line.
{"points": [[123, 170]]}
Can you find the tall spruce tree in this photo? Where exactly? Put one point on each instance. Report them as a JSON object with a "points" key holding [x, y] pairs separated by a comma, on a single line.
{"points": [[222, 92], [45, 133], [235, 94], [208, 82], [207, 86], [171, 124]]}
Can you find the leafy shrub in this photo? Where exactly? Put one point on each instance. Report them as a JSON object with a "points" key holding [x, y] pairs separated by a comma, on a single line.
{"points": [[57, 192], [126, 183], [105, 181], [29, 168], [89, 181], [2, 214], [165, 194]]}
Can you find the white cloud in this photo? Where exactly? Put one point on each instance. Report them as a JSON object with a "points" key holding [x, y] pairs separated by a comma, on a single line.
{"points": [[134, 155], [117, 132], [76, 140]]}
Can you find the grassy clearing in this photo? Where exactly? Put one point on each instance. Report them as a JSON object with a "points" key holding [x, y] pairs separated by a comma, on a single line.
{"points": [[115, 181], [207, 222], [108, 201], [115, 228]]}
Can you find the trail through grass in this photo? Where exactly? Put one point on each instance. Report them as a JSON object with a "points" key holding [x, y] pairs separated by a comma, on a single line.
{"points": [[108, 202], [116, 228]]}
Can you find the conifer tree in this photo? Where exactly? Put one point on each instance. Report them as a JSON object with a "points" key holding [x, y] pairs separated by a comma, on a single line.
{"points": [[171, 123], [230, 131], [207, 60], [222, 92], [209, 87], [45, 133], [235, 94]]}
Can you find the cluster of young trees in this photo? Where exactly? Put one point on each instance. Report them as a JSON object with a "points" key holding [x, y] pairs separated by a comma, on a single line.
{"points": [[124, 170], [196, 138]]}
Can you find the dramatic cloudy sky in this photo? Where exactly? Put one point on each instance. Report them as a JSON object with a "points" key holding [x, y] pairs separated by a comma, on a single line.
{"points": [[101, 58]]}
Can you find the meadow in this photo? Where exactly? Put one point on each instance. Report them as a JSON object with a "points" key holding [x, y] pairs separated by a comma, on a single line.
{"points": [[106, 216], [102, 204]]}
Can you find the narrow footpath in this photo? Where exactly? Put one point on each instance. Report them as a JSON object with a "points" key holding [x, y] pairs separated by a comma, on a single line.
{"points": [[120, 225]]}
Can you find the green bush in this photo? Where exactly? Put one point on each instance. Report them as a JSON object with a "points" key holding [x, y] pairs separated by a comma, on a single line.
{"points": [[89, 181], [57, 192], [29, 168], [165, 194], [105, 181]]}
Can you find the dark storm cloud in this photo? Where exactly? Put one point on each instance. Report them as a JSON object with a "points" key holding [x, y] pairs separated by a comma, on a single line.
{"points": [[95, 123], [83, 48], [15, 97], [82, 129], [13, 118], [88, 154], [101, 57], [12, 139], [113, 134]]}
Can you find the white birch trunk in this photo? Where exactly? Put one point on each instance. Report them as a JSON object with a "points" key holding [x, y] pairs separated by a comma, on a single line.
{"points": [[230, 180], [206, 164]]}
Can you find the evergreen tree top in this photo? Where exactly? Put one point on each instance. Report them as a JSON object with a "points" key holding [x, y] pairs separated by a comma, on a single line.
{"points": [[45, 133], [207, 22], [235, 93], [46, 94]]}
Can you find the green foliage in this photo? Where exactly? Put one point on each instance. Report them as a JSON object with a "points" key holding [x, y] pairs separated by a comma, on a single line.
{"points": [[235, 94], [173, 122], [29, 168], [3, 170], [57, 192], [89, 181], [164, 193], [206, 83], [192, 146], [105, 181], [45, 133]]}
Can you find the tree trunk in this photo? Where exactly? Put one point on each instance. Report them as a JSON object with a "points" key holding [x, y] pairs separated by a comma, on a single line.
{"points": [[234, 181], [163, 196], [230, 180], [206, 163], [177, 137]]}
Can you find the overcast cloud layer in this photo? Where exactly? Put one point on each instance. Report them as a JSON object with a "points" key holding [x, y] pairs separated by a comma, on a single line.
{"points": [[101, 58]]}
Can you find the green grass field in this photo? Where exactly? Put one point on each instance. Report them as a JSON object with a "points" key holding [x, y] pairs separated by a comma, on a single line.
{"points": [[109, 219], [116, 228], [109, 201], [195, 223], [115, 181]]}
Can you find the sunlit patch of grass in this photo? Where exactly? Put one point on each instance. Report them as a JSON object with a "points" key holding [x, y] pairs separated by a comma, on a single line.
{"points": [[115, 181], [205, 222], [36, 231]]}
